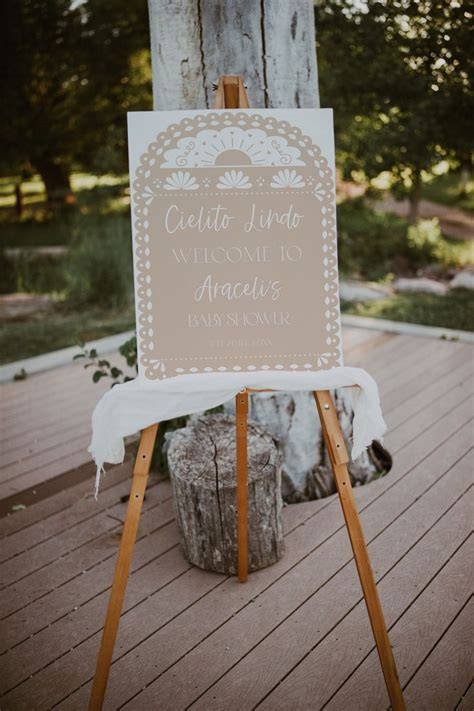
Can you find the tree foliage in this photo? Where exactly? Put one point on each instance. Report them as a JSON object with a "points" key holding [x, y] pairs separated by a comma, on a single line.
{"points": [[71, 70], [399, 76]]}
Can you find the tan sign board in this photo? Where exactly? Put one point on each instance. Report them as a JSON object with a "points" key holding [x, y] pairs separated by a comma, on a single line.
{"points": [[234, 234]]}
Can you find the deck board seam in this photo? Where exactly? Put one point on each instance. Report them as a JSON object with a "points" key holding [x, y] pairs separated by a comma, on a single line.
{"points": [[311, 595], [464, 694], [34, 467], [96, 595], [83, 433], [328, 580], [436, 396], [401, 615], [439, 360], [92, 634], [433, 647], [82, 487], [73, 550], [90, 517], [330, 502], [432, 424]]}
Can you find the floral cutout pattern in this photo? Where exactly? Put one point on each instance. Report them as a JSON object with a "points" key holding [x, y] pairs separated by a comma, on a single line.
{"points": [[287, 179], [318, 192], [146, 188], [234, 179], [181, 181], [158, 365]]}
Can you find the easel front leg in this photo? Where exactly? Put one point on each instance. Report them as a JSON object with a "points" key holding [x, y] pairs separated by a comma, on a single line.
{"points": [[241, 411], [339, 458], [122, 566]]}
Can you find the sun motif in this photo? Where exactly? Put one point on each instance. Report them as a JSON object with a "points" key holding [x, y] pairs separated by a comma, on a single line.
{"points": [[232, 146]]}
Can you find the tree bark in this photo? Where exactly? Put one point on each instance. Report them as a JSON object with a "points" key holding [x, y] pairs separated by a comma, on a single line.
{"points": [[201, 460], [465, 164], [414, 198], [293, 420], [18, 200], [271, 43]]}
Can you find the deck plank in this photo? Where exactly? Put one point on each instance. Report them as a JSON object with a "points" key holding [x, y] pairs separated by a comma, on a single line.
{"points": [[448, 669], [61, 501], [77, 562], [265, 665], [466, 702], [36, 581], [47, 417], [318, 558], [347, 646], [191, 638], [83, 508], [428, 617]]}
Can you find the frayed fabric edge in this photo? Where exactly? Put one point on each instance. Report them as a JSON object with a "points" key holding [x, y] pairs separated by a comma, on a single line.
{"points": [[100, 470], [107, 446]]}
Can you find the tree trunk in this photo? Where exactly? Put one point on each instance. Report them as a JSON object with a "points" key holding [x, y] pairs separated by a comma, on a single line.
{"points": [[201, 459], [18, 200], [414, 198], [271, 43], [465, 174], [55, 176]]}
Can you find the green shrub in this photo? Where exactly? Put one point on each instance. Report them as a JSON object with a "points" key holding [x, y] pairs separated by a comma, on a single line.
{"points": [[374, 245], [371, 244], [45, 229], [453, 310], [8, 274], [100, 270], [425, 238]]}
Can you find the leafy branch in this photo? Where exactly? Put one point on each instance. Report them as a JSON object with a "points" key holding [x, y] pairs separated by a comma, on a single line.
{"points": [[104, 369]]}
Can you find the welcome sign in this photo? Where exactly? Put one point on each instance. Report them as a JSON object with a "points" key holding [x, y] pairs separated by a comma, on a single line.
{"points": [[234, 235]]}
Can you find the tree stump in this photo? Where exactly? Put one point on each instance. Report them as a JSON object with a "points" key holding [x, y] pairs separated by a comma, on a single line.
{"points": [[292, 418], [202, 465]]}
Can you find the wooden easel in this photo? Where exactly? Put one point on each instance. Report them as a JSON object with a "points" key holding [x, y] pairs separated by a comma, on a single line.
{"points": [[231, 94]]}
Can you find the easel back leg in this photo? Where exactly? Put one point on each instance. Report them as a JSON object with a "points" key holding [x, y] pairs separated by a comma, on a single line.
{"points": [[339, 458]]}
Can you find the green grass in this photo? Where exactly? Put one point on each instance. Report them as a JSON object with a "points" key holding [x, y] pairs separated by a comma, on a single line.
{"points": [[454, 310], [24, 339], [445, 190]]}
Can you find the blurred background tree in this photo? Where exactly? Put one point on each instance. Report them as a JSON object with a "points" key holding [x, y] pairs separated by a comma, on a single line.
{"points": [[70, 71], [399, 76]]}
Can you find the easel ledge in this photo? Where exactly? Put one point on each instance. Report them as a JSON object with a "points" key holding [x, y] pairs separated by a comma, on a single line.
{"points": [[231, 94]]}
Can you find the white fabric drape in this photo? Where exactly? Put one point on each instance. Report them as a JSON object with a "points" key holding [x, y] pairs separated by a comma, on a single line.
{"points": [[127, 408]]}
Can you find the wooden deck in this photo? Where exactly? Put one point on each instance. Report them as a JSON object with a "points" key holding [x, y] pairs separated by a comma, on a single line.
{"points": [[45, 431], [296, 636]]}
